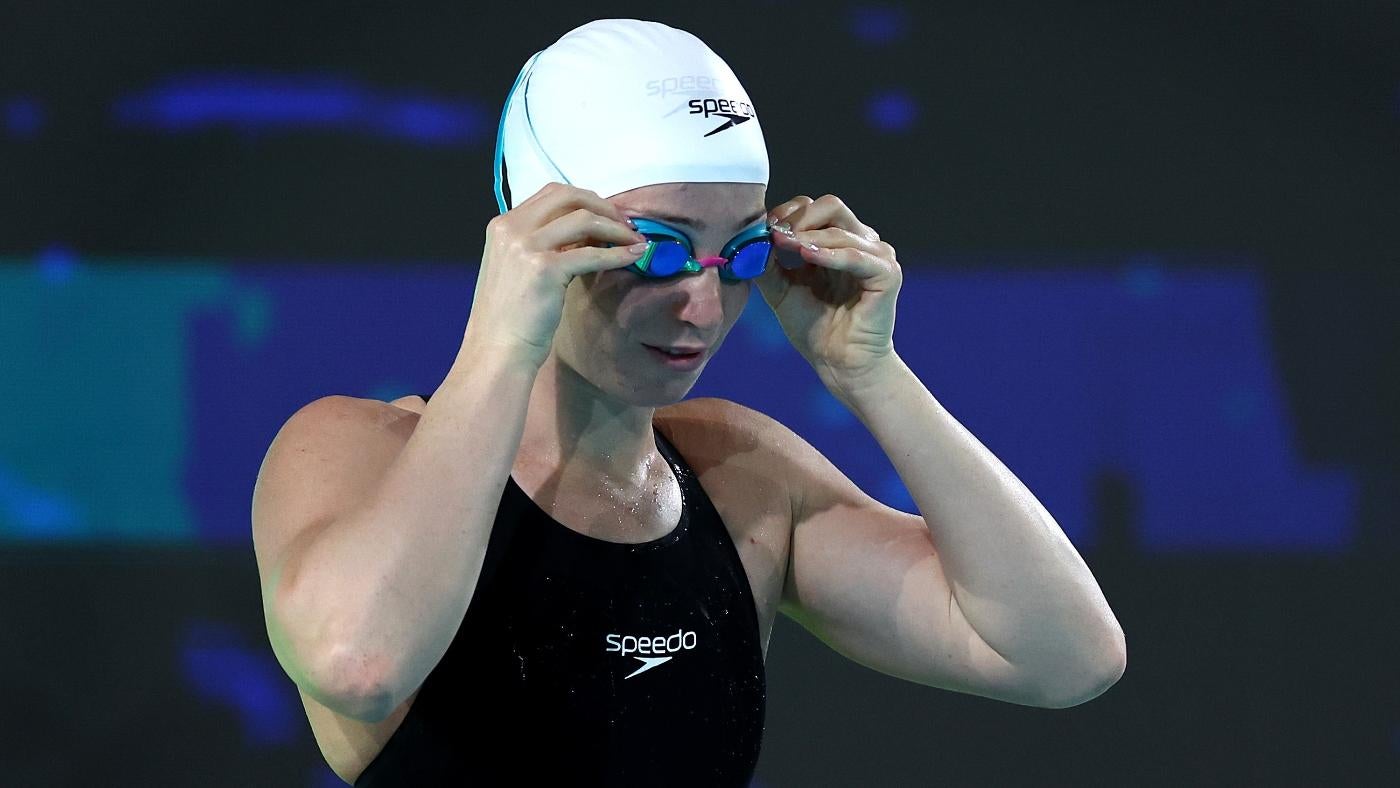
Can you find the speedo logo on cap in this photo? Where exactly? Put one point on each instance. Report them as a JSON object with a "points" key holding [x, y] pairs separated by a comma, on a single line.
{"points": [[659, 648], [706, 103], [688, 85], [736, 111]]}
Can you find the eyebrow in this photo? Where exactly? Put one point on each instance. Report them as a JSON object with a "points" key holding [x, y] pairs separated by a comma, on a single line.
{"points": [[695, 224]]}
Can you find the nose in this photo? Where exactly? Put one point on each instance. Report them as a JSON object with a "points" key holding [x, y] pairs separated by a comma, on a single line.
{"points": [[700, 299]]}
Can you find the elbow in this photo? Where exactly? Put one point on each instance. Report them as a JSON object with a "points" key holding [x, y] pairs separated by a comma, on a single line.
{"points": [[1092, 680], [354, 685], [339, 676], [1060, 699]]}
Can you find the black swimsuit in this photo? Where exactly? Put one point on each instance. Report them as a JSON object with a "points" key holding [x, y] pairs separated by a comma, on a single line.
{"points": [[587, 662]]}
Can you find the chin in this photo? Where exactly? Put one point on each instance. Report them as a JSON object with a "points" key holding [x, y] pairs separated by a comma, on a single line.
{"points": [[637, 380], [655, 395], [653, 388]]}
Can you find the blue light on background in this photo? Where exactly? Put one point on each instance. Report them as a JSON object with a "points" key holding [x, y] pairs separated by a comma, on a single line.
{"points": [[256, 102], [37, 514], [57, 264], [891, 111], [225, 669], [24, 117], [879, 24]]}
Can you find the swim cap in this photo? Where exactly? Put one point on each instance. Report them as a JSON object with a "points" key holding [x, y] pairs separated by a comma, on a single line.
{"points": [[615, 104]]}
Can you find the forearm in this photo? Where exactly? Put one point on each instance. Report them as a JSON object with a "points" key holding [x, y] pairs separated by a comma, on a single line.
{"points": [[1015, 575], [390, 582]]}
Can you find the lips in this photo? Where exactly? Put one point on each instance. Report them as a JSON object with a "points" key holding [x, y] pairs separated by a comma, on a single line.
{"points": [[678, 350], [688, 362]]}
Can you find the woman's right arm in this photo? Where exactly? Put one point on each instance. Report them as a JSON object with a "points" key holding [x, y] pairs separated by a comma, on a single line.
{"points": [[370, 532], [367, 596]]}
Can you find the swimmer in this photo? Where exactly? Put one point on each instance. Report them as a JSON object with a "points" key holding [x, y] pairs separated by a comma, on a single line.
{"points": [[555, 566]]}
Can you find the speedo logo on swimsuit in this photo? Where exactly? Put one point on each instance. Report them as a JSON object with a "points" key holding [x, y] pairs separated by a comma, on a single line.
{"points": [[654, 646]]}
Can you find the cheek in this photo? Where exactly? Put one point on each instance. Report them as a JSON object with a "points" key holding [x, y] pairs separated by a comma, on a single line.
{"points": [[630, 299], [735, 297], [601, 298], [628, 307]]}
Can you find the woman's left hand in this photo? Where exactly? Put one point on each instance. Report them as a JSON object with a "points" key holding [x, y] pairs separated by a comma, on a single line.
{"points": [[835, 302]]}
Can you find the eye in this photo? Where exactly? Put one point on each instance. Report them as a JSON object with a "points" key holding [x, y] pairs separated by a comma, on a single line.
{"points": [[662, 237]]}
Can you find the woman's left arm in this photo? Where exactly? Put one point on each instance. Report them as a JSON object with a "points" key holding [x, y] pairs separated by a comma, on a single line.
{"points": [[1017, 578], [1009, 568]]}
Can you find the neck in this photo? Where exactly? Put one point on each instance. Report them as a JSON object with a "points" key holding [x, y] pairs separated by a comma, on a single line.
{"points": [[571, 422]]}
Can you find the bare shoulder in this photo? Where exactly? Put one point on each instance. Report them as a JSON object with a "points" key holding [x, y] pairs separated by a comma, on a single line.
{"points": [[336, 421], [733, 419], [718, 436], [719, 426], [726, 434], [324, 456], [339, 427]]}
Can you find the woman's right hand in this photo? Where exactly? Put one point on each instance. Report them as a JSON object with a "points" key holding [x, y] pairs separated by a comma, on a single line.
{"points": [[532, 253]]}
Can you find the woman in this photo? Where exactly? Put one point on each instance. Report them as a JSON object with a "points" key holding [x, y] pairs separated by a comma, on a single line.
{"points": [[555, 568]]}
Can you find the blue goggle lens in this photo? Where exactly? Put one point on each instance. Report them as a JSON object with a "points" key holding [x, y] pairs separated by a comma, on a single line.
{"points": [[750, 260], [668, 258]]}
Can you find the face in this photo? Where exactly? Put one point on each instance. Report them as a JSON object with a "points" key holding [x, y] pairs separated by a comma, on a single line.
{"points": [[610, 317]]}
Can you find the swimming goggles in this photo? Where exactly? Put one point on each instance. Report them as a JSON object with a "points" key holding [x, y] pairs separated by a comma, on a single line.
{"points": [[670, 253]]}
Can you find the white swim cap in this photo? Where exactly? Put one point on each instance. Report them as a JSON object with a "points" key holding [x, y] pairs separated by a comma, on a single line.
{"points": [[619, 103]]}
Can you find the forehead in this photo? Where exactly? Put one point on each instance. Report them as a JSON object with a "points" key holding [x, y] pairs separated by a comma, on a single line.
{"points": [[697, 206]]}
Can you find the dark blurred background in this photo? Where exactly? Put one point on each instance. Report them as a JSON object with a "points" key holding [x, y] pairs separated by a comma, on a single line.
{"points": [[1151, 262]]}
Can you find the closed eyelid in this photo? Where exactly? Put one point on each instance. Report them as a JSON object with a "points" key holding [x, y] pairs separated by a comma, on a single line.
{"points": [[669, 231], [685, 238]]}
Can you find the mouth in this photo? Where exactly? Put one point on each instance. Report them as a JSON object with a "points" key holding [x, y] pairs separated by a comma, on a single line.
{"points": [[677, 357], [679, 350]]}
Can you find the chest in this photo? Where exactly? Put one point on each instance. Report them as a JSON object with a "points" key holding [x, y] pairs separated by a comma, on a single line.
{"points": [[754, 514]]}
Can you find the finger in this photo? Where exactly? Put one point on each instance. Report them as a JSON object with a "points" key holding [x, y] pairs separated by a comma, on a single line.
{"points": [[831, 237], [555, 199], [581, 226], [787, 211], [591, 259], [857, 262], [830, 211], [786, 252]]}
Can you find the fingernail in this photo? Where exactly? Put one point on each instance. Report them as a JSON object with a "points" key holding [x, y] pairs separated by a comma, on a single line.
{"points": [[784, 228], [637, 248], [811, 246], [630, 223]]}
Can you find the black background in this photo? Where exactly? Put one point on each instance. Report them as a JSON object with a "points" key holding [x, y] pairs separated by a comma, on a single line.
{"points": [[1258, 128]]}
